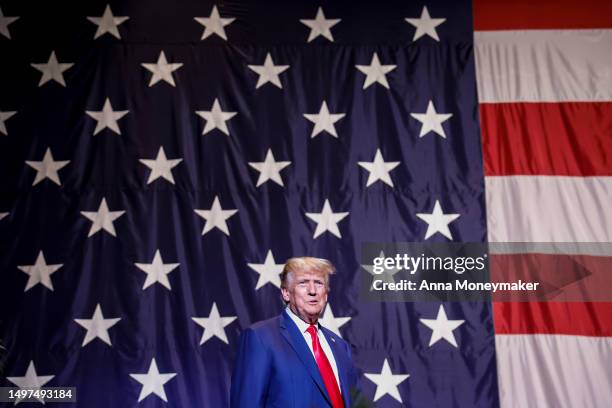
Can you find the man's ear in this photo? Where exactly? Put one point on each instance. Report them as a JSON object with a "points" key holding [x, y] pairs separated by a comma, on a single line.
{"points": [[285, 293]]}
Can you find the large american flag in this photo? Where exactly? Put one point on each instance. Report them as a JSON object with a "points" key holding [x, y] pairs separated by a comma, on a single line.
{"points": [[159, 162]]}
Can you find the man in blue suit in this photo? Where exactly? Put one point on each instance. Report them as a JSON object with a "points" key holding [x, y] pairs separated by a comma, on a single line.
{"points": [[291, 360]]}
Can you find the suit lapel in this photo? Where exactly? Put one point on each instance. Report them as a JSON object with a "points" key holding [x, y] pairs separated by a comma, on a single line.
{"points": [[297, 342], [341, 365]]}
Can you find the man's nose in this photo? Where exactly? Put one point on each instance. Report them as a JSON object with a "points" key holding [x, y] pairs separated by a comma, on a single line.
{"points": [[312, 289]]}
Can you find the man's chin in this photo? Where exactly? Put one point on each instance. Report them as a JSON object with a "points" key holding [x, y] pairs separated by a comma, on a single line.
{"points": [[314, 313]]}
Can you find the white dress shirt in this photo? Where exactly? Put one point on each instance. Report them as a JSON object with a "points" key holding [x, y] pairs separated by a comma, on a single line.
{"points": [[303, 328]]}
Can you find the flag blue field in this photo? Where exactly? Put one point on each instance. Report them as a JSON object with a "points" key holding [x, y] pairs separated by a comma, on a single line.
{"points": [[159, 164]]}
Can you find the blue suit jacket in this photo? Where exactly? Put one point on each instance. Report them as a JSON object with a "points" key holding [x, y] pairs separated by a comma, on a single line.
{"points": [[275, 368]]}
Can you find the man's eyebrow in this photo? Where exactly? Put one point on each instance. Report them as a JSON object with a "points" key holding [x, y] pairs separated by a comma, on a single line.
{"points": [[311, 279]]}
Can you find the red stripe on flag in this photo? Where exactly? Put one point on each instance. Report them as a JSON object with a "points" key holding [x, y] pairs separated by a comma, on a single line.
{"points": [[541, 14], [577, 318], [561, 139], [559, 277]]}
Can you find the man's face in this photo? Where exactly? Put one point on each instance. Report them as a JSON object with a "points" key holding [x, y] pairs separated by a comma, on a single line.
{"points": [[306, 294]]}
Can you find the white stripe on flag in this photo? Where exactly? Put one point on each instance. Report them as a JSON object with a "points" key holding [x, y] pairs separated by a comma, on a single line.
{"points": [[554, 371], [549, 209], [559, 248], [544, 65]]}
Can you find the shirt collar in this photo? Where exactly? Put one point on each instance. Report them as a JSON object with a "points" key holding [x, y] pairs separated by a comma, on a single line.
{"points": [[302, 325]]}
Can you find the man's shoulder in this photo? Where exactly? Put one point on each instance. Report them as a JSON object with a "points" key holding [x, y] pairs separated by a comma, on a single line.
{"points": [[265, 332]]}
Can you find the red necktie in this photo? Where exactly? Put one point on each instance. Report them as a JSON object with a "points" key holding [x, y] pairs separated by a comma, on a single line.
{"points": [[325, 368]]}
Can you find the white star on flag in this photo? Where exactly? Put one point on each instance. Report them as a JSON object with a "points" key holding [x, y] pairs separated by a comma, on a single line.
{"points": [[438, 221], [102, 219], [52, 70], [215, 217], [269, 169], [379, 169], [215, 118], [385, 276], [431, 120], [387, 382], [31, 380], [47, 168], [269, 271], [4, 115], [107, 23], [442, 328], [157, 271], [153, 382], [97, 326], [107, 118], [161, 166], [320, 26], [214, 24], [268, 72], [162, 70], [327, 220], [375, 72], [214, 325], [4, 23], [324, 121], [329, 321], [40, 272], [425, 25]]}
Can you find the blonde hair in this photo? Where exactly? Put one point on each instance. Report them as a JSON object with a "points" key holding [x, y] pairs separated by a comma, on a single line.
{"points": [[306, 264]]}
